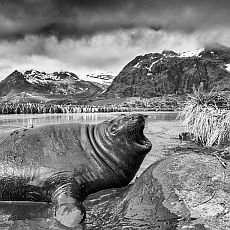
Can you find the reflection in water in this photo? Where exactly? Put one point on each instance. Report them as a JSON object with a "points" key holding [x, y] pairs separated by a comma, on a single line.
{"points": [[26, 215], [28, 120]]}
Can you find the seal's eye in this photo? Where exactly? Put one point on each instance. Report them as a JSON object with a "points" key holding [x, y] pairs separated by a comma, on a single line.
{"points": [[126, 119], [114, 128]]}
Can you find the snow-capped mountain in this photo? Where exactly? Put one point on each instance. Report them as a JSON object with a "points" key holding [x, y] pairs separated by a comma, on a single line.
{"points": [[156, 74], [37, 77], [34, 76], [49, 85]]}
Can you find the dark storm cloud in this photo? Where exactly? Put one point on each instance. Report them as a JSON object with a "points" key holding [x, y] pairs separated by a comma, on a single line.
{"points": [[78, 18], [85, 36], [61, 18]]}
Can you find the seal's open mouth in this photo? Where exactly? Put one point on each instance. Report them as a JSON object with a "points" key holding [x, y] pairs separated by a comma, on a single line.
{"points": [[140, 138], [136, 131]]}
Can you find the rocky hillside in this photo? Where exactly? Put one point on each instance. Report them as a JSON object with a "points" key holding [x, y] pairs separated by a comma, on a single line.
{"points": [[156, 74], [44, 86]]}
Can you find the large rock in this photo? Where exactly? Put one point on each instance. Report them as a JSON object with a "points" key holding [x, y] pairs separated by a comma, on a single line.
{"points": [[184, 191]]}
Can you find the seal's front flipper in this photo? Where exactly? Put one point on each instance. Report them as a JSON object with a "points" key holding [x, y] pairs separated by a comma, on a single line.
{"points": [[69, 211]]}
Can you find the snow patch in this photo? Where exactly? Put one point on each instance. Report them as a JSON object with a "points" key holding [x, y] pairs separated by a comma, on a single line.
{"points": [[137, 65], [228, 67], [194, 53], [101, 78], [153, 63], [37, 77]]}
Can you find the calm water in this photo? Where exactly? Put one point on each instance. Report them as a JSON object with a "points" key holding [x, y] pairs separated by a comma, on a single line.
{"points": [[26, 120], [27, 215]]}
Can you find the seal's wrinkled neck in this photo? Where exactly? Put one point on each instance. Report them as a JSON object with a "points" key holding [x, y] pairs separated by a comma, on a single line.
{"points": [[115, 155], [118, 153], [103, 148]]}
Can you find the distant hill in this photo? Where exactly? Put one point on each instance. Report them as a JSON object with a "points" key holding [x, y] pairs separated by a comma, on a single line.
{"points": [[38, 86], [157, 74]]}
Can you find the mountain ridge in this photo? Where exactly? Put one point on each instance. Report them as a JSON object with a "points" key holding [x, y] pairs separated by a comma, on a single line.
{"points": [[54, 86], [157, 74], [148, 75]]}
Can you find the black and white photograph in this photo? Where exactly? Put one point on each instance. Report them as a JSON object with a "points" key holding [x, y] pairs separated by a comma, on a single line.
{"points": [[115, 114]]}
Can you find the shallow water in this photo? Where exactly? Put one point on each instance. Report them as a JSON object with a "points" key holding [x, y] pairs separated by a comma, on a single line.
{"points": [[26, 120], [27, 215]]}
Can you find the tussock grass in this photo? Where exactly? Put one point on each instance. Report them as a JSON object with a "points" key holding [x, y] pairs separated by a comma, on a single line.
{"points": [[202, 117]]}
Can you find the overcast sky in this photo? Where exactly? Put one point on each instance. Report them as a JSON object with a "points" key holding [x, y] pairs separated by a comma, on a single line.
{"points": [[86, 36]]}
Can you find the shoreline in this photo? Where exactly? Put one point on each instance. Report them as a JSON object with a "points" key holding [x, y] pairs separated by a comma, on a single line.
{"points": [[84, 113]]}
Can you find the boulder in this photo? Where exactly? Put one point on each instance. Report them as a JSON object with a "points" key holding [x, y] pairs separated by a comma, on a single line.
{"points": [[183, 191]]}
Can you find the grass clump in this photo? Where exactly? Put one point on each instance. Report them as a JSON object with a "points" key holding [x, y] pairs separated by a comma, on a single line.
{"points": [[203, 118]]}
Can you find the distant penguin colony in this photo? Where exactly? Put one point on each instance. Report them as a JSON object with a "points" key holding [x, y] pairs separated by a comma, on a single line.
{"points": [[40, 108], [36, 108]]}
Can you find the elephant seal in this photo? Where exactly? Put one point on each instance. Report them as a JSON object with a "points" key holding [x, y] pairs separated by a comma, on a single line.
{"points": [[64, 163]]}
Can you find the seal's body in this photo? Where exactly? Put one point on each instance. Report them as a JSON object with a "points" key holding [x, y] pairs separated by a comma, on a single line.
{"points": [[64, 163]]}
